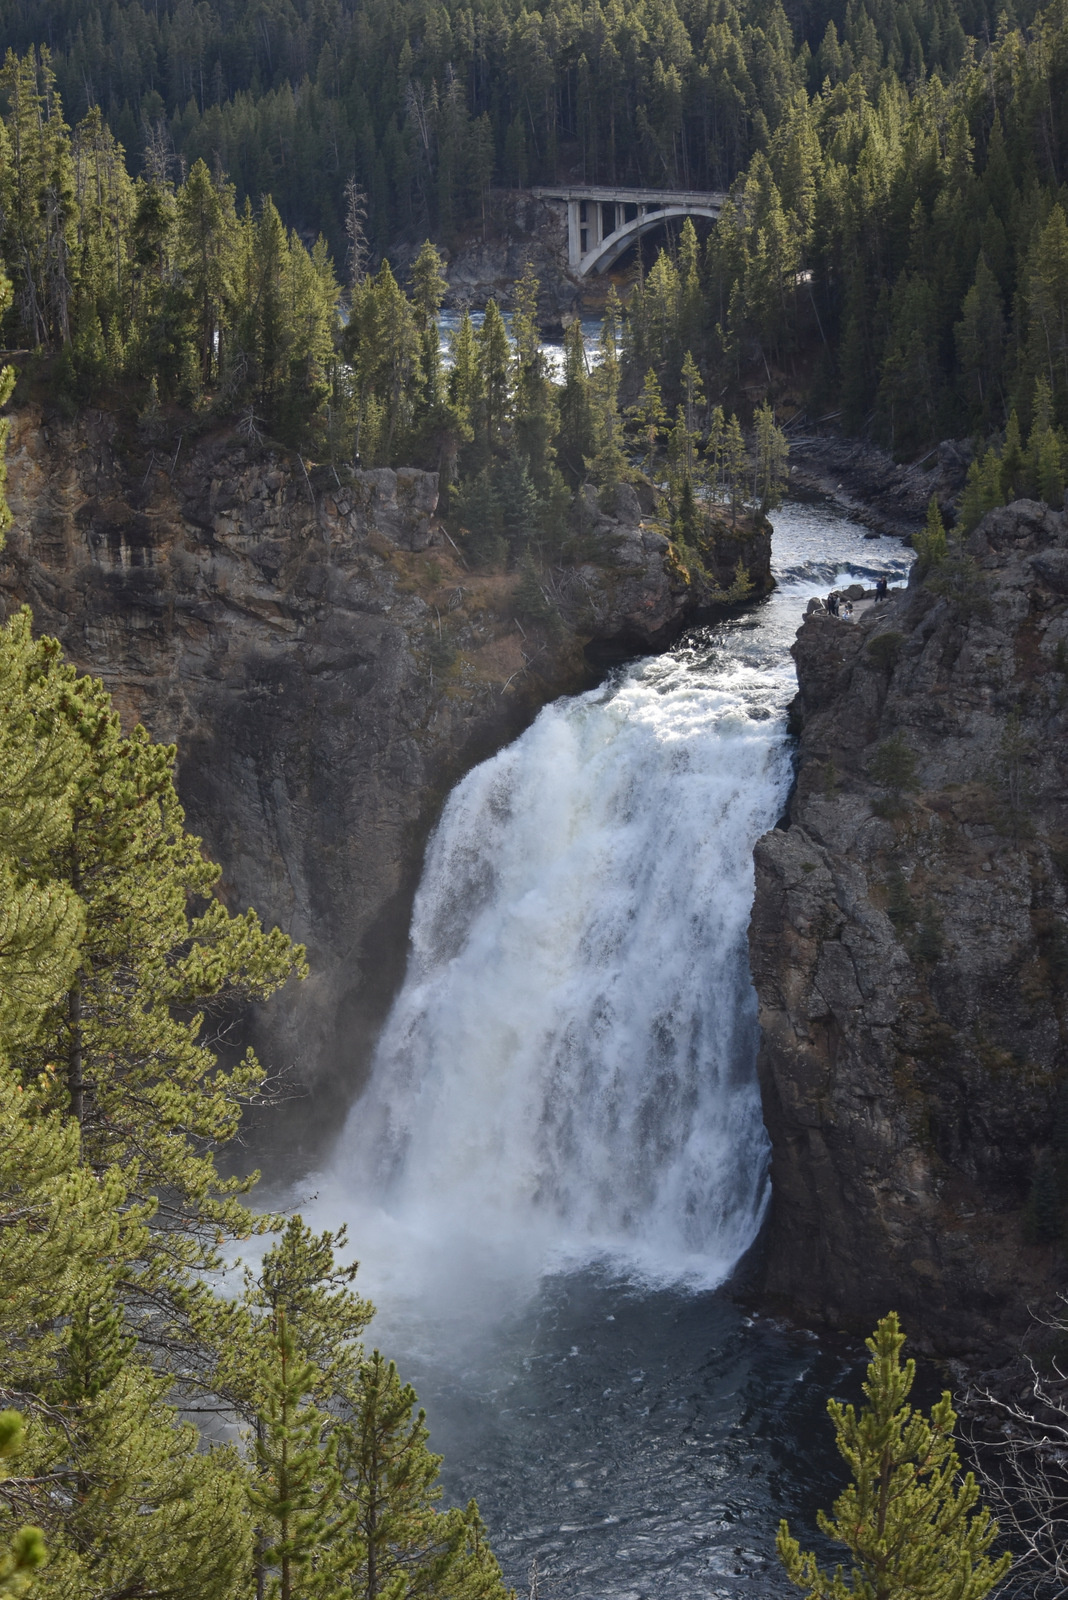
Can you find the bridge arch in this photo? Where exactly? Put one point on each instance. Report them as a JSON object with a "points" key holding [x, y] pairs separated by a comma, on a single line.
{"points": [[603, 222], [608, 252]]}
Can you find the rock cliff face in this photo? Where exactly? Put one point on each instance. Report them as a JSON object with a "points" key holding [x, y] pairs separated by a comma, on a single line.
{"points": [[909, 946], [327, 666], [888, 495], [520, 231]]}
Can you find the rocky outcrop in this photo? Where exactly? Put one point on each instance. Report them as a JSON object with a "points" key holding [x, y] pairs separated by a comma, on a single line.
{"points": [[909, 946], [520, 230], [639, 599], [890, 496], [327, 665]]}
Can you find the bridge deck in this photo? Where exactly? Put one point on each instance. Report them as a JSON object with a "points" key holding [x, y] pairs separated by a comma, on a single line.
{"points": [[631, 197]]}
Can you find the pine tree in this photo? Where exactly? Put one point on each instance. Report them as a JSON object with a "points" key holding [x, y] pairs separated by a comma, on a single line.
{"points": [[26, 1553], [526, 337], [650, 418], [297, 1488], [1047, 305], [608, 466], [982, 490], [714, 453], [1012, 463], [653, 337], [518, 500], [575, 440], [693, 400], [534, 400], [691, 305], [478, 506], [429, 285], [1046, 453], [769, 459], [465, 381], [931, 547], [125, 1043], [262, 329], [495, 385], [204, 250], [390, 1478], [909, 1520], [382, 341], [301, 1279], [980, 339], [734, 467]]}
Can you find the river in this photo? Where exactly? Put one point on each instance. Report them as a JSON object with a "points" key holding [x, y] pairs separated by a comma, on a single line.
{"points": [[559, 1159], [551, 349]]}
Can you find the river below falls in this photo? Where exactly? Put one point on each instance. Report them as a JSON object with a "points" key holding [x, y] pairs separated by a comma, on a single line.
{"points": [[559, 1159]]}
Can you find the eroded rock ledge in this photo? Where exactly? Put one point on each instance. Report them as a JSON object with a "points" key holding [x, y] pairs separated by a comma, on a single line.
{"points": [[327, 665], [909, 947]]}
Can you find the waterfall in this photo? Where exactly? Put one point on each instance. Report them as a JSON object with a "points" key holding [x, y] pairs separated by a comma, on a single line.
{"points": [[567, 1074], [561, 1137]]}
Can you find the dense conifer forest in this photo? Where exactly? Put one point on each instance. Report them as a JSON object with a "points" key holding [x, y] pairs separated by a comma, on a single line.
{"points": [[189, 192], [430, 104]]}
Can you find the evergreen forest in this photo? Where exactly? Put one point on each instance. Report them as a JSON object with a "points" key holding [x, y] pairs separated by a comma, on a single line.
{"points": [[202, 202]]}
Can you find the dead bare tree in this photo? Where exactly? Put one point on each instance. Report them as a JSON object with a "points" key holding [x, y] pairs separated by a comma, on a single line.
{"points": [[158, 158], [356, 232], [1019, 1430]]}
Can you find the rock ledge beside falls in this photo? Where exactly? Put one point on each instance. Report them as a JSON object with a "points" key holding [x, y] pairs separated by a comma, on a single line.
{"points": [[909, 946]]}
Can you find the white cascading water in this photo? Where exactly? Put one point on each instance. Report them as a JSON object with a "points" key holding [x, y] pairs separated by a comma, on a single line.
{"points": [[567, 1072]]}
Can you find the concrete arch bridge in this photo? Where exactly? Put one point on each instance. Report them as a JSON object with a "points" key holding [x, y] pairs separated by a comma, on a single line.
{"points": [[603, 222]]}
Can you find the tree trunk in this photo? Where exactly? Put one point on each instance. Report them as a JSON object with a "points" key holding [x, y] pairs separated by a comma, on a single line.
{"points": [[75, 1062]]}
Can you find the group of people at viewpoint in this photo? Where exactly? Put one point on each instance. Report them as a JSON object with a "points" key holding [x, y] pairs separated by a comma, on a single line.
{"points": [[839, 605]]}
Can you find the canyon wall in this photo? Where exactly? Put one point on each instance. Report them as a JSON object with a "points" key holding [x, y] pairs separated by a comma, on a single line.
{"points": [[909, 946], [328, 666]]}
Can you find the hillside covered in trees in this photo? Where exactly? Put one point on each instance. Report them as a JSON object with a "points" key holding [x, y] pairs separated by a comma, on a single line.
{"points": [[430, 104], [895, 252], [197, 206]]}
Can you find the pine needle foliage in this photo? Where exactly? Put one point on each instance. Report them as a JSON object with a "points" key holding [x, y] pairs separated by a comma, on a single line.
{"points": [[26, 1552], [297, 1487], [104, 865], [126, 1499]]}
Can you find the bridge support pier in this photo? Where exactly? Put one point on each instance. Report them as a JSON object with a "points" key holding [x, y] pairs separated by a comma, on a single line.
{"points": [[588, 226]]}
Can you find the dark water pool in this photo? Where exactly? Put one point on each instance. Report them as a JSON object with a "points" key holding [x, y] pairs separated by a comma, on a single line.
{"points": [[636, 1444]]}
